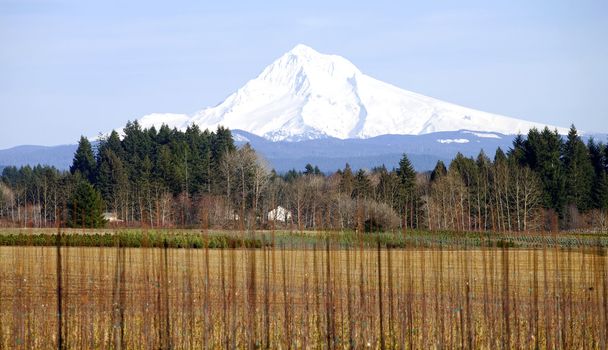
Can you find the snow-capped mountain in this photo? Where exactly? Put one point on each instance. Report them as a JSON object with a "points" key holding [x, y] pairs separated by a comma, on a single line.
{"points": [[308, 95]]}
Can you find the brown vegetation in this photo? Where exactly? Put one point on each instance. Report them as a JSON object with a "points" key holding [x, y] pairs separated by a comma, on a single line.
{"points": [[293, 297]]}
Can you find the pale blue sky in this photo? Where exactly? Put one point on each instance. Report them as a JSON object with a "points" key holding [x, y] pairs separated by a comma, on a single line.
{"points": [[70, 67]]}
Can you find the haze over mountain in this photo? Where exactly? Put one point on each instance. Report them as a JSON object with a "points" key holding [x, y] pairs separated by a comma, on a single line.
{"points": [[306, 95]]}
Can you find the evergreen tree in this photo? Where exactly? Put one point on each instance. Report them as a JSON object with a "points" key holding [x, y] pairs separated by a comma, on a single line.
{"points": [[408, 198], [500, 156], [112, 180], [596, 155], [531, 148], [518, 151], [387, 183], [579, 172], [309, 169], [165, 169], [206, 161], [482, 160], [362, 186], [599, 193], [111, 143], [291, 175], [85, 207], [406, 175], [439, 171], [347, 181], [137, 144], [466, 168], [181, 155], [606, 158], [145, 178], [84, 160], [221, 144], [543, 155], [164, 135], [195, 162], [482, 190]]}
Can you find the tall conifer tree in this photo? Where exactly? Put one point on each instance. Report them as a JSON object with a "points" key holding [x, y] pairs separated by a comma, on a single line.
{"points": [[439, 171], [84, 160], [579, 171], [85, 207], [599, 193], [543, 155], [407, 191]]}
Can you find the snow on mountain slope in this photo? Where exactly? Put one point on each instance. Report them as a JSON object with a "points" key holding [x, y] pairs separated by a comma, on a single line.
{"points": [[172, 120], [308, 95]]}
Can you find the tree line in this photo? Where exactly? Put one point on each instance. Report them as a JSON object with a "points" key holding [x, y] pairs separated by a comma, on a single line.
{"points": [[143, 177], [194, 178]]}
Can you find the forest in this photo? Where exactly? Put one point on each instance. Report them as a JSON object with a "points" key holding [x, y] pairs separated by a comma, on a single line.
{"points": [[168, 178]]}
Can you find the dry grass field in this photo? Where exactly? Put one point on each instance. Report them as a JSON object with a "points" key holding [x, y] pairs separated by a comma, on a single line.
{"points": [[292, 298]]}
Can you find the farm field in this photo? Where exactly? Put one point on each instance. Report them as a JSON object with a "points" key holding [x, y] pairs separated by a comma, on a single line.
{"points": [[323, 294]]}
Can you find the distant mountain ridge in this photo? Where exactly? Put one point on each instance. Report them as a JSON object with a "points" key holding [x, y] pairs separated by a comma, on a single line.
{"points": [[57, 156], [331, 154], [306, 95]]}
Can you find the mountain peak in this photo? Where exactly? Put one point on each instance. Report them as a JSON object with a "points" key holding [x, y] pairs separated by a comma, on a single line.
{"points": [[302, 68], [305, 94], [303, 50]]}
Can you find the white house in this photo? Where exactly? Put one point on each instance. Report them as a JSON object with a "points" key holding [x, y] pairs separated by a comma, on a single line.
{"points": [[279, 214], [111, 217]]}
